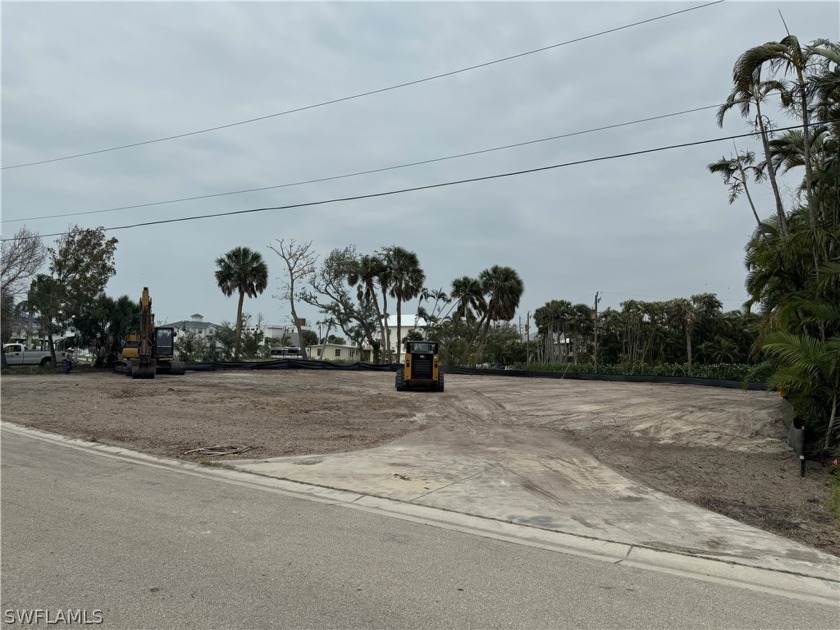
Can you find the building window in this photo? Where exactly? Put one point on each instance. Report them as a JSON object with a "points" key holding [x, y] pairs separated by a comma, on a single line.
{"points": [[338, 352]]}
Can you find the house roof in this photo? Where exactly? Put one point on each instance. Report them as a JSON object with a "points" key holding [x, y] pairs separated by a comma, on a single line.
{"points": [[409, 320], [188, 324]]}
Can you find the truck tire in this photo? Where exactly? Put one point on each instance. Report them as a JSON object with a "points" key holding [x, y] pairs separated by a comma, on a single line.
{"points": [[46, 362]]}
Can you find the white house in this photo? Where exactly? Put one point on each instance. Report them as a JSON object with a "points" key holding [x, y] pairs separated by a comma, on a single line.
{"points": [[196, 325], [279, 331], [410, 322]]}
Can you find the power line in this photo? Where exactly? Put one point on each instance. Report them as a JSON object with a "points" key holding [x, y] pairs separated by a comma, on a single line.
{"points": [[368, 93], [432, 186], [367, 172], [661, 297]]}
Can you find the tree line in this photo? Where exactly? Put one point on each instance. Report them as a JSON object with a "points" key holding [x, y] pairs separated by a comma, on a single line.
{"points": [[678, 331], [354, 292]]}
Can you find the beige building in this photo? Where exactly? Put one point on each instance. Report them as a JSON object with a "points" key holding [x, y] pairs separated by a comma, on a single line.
{"points": [[338, 352]]}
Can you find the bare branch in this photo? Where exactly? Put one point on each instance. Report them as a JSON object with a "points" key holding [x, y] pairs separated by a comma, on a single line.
{"points": [[22, 256], [300, 264]]}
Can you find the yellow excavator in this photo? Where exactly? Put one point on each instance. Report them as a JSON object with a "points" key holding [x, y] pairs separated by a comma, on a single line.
{"points": [[149, 350]]}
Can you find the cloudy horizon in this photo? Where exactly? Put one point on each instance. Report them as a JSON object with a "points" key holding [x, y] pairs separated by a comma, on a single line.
{"points": [[81, 77]]}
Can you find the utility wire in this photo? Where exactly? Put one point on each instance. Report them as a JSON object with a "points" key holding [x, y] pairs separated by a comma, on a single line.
{"points": [[388, 193], [368, 172], [661, 297], [369, 93]]}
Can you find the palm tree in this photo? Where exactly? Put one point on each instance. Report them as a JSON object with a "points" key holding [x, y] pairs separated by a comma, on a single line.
{"points": [[581, 320], [242, 271], [552, 319], [734, 173], [469, 299], [777, 268], [503, 288], [383, 277], [364, 274], [719, 350], [406, 281], [788, 57], [750, 90]]}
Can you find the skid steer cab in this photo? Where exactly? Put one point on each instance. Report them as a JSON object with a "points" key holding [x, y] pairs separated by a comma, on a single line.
{"points": [[421, 369]]}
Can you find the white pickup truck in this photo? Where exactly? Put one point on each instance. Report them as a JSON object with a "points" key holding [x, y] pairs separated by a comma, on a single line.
{"points": [[16, 354]]}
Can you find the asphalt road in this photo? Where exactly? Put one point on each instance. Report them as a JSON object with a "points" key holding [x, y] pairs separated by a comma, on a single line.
{"points": [[156, 548]]}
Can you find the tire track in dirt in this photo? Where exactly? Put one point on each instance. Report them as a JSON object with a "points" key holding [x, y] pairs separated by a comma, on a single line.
{"points": [[711, 447], [480, 408]]}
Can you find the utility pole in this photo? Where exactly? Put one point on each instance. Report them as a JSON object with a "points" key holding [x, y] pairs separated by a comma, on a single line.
{"points": [[329, 324], [528, 337], [597, 299]]}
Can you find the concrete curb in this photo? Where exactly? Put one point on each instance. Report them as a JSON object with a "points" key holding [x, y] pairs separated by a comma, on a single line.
{"points": [[794, 584]]}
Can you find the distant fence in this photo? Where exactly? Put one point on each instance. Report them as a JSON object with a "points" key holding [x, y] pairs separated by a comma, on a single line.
{"points": [[621, 378], [287, 364], [302, 364]]}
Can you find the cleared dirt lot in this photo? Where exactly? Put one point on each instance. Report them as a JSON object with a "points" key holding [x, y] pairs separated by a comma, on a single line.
{"points": [[720, 449]]}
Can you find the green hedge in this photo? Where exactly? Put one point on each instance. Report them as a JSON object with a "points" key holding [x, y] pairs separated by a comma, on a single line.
{"points": [[722, 371]]}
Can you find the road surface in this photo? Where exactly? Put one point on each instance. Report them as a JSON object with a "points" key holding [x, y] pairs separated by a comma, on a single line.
{"points": [[153, 547]]}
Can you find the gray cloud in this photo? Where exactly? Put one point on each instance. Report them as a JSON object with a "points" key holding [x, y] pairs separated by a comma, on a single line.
{"points": [[84, 76]]}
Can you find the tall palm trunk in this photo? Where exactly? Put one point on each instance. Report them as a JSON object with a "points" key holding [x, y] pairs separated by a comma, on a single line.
{"points": [[747, 191], [806, 148], [689, 329], [238, 343], [813, 211], [386, 331], [479, 337], [771, 173], [399, 328]]}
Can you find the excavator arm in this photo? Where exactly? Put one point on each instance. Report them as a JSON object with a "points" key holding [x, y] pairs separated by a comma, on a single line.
{"points": [[145, 365]]}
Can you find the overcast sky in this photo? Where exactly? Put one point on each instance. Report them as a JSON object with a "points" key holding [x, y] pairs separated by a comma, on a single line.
{"points": [[80, 77]]}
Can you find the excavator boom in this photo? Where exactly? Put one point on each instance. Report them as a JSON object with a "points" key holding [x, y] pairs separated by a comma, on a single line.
{"points": [[150, 350]]}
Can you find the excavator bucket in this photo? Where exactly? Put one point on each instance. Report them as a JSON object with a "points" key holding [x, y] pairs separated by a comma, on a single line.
{"points": [[142, 369]]}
